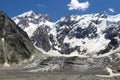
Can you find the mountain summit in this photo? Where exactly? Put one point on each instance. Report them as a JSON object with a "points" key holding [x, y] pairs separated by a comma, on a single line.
{"points": [[37, 26], [15, 44], [89, 34]]}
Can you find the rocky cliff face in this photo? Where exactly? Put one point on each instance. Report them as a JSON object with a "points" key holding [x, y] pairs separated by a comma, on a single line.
{"points": [[90, 34], [15, 44], [41, 38]]}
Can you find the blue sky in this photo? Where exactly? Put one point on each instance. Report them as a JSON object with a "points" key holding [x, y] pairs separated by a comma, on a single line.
{"points": [[60, 8]]}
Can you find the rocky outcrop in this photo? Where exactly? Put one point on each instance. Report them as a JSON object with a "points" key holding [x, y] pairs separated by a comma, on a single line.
{"points": [[15, 44], [41, 38]]}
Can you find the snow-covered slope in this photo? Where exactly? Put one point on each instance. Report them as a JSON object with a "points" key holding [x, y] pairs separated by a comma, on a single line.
{"points": [[30, 21], [36, 25], [90, 34]]}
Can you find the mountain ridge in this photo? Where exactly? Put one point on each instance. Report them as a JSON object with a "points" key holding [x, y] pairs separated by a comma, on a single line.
{"points": [[75, 33]]}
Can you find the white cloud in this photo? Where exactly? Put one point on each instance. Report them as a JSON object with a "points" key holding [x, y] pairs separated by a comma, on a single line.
{"points": [[42, 6], [75, 4], [111, 10]]}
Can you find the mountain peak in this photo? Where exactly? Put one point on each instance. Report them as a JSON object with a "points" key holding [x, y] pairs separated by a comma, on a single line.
{"points": [[28, 13]]}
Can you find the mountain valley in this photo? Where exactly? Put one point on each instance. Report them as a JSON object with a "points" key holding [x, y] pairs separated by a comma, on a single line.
{"points": [[75, 47]]}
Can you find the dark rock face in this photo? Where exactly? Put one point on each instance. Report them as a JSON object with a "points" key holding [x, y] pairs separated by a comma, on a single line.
{"points": [[113, 35], [62, 34], [41, 38], [113, 44], [112, 32], [82, 33], [14, 42]]}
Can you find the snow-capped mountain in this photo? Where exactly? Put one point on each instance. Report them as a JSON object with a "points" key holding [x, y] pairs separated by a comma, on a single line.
{"points": [[90, 34], [29, 21], [36, 25]]}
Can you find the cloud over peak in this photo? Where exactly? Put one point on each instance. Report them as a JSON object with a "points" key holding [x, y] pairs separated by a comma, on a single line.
{"points": [[76, 5], [111, 10]]}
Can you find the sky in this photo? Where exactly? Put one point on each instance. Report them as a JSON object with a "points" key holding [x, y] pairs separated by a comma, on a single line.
{"points": [[59, 8]]}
